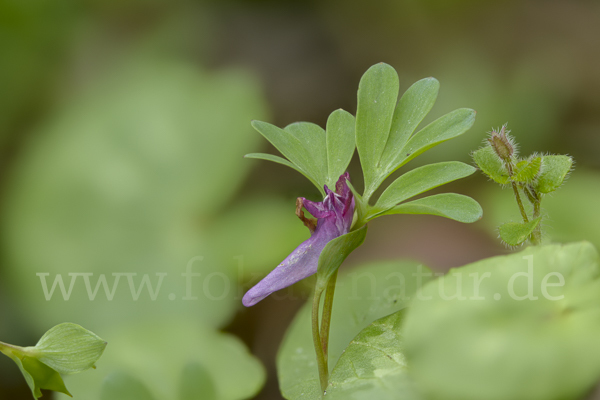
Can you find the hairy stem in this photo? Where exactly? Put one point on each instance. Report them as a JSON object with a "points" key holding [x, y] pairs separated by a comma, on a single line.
{"points": [[326, 317], [510, 168], [321, 360], [534, 198]]}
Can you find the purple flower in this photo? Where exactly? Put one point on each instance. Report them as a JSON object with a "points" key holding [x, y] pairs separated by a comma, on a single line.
{"points": [[333, 218]]}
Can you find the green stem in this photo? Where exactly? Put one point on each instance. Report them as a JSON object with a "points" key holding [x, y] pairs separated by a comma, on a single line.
{"points": [[321, 360], [519, 202], [534, 198], [326, 317], [510, 169]]}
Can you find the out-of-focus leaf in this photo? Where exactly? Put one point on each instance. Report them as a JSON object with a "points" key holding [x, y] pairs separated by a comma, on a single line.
{"points": [[515, 233], [373, 366], [377, 97], [293, 148], [420, 180], [527, 171], [412, 107], [340, 144], [335, 252], [458, 207], [506, 327], [362, 296], [554, 172], [491, 165], [69, 348], [157, 355], [123, 386], [120, 184], [196, 383]]}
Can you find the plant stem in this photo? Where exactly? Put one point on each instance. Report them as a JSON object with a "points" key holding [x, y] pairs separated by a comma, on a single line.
{"points": [[534, 198], [510, 169], [321, 360], [326, 317]]}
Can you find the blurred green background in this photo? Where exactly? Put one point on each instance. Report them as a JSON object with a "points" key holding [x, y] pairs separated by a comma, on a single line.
{"points": [[122, 129]]}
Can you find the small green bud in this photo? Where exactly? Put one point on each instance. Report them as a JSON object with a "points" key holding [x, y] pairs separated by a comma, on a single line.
{"points": [[502, 144]]}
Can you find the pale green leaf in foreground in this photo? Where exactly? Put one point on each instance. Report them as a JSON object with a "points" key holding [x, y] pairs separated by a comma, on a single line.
{"points": [[335, 252], [515, 233], [520, 326], [373, 366], [554, 172], [362, 295], [377, 97], [458, 207], [412, 107], [340, 144], [420, 180], [69, 348], [491, 165]]}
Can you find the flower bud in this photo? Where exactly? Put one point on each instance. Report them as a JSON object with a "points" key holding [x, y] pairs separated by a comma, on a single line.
{"points": [[502, 144]]}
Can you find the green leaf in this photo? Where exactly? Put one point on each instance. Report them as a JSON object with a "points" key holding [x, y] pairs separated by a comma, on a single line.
{"points": [[516, 233], [283, 161], [340, 144], [420, 180], [123, 386], [291, 147], [196, 383], [554, 172], [491, 165], [500, 329], [447, 127], [527, 171], [362, 295], [68, 348], [373, 366], [335, 252], [313, 138], [377, 97], [40, 376], [458, 207], [412, 107]]}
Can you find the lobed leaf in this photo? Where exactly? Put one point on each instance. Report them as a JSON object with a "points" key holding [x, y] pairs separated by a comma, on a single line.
{"points": [[412, 107], [458, 207], [516, 233], [377, 97], [291, 147], [527, 171], [449, 126], [491, 165], [312, 137], [420, 180], [554, 172], [340, 144], [283, 161]]}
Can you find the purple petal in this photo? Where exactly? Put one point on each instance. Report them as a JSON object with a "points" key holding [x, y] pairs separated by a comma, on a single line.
{"points": [[334, 218]]}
